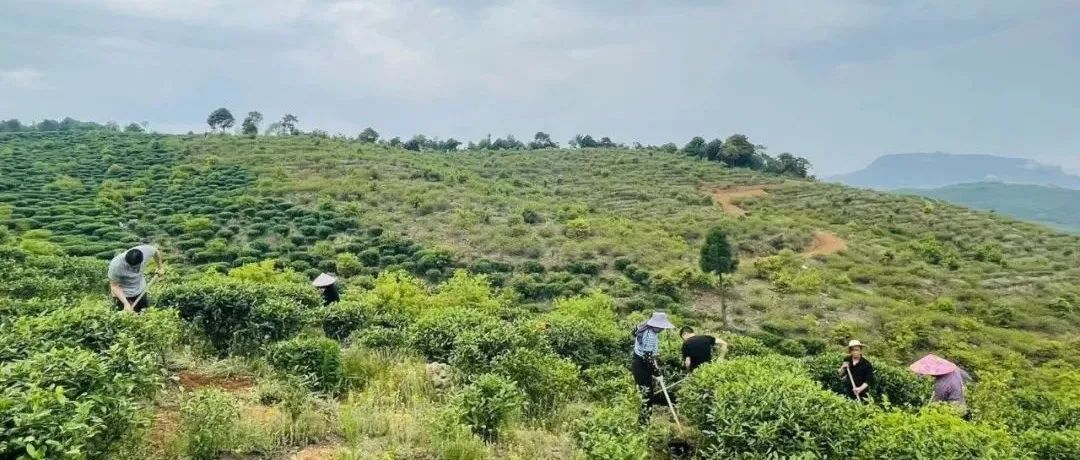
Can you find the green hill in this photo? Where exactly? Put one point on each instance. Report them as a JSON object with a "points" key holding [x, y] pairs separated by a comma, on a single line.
{"points": [[564, 249], [1053, 206]]}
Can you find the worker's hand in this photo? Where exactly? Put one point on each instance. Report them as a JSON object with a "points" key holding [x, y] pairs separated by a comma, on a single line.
{"points": [[859, 390], [128, 307]]}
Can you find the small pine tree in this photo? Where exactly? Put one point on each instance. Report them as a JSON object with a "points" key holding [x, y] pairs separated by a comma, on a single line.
{"points": [[718, 258]]}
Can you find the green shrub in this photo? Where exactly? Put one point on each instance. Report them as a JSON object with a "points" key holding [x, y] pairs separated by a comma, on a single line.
{"points": [[487, 405], [476, 349], [318, 359], [380, 337], [231, 311], [898, 385], [435, 332], [935, 432], [1051, 445], [611, 433], [767, 406], [742, 345], [207, 423], [584, 342], [610, 384], [548, 381], [69, 402]]}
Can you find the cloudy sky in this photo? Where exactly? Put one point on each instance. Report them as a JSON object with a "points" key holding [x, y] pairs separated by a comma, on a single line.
{"points": [[838, 81]]}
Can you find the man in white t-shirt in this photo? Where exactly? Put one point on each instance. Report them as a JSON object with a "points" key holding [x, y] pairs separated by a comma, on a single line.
{"points": [[126, 281]]}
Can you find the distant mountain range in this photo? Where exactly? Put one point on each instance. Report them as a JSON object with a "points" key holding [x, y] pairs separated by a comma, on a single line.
{"points": [[933, 170], [1053, 206]]}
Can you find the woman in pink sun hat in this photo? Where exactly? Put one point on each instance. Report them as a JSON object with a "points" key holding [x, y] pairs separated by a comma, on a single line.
{"points": [[948, 379]]}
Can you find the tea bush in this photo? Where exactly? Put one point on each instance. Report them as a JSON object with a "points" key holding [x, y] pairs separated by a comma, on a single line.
{"points": [[318, 359], [208, 422], [238, 315], [611, 433], [610, 384], [434, 334], [1051, 445], [899, 386], [476, 349], [935, 432], [488, 404], [69, 402], [768, 407], [584, 342], [548, 381]]}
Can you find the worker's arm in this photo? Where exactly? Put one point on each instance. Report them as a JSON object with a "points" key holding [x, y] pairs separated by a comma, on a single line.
{"points": [[160, 260], [721, 347], [861, 388], [119, 294], [843, 367], [686, 362]]}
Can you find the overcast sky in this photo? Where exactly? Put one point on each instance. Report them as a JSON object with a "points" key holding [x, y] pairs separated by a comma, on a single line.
{"points": [[837, 81]]}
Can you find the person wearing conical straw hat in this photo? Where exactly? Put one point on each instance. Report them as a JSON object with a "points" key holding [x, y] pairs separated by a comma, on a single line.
{"points": [[858, 371], [643, 361], [948, 379], [328, 285]]}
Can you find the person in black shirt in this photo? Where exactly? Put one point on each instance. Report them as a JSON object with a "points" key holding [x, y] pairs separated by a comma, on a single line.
{"points": [[698, 349], [858, 371]]}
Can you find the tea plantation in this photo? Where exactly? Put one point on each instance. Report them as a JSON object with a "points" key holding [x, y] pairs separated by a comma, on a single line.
{"points": [[487, 302]]}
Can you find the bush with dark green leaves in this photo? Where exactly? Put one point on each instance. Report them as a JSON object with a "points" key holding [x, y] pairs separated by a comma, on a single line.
{"points": [[476, 349], [766, 407], [488, 404], [316, 358], [380, 337], [95, 328], [586, 343], [899, 386], [548, 381], [435, 333], [72, 403], [239, 316], [743, 345], [935, 432]]}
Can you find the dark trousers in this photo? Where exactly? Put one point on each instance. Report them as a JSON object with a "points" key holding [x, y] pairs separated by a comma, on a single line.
{"points": [[643, 372], [143, 304]]}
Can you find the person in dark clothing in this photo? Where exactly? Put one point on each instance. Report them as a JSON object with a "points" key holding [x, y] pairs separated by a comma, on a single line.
{"points": [[328, 285], [698, 349], [858, 371]]}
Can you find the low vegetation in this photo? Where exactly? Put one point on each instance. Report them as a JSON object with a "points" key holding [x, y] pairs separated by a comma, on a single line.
{"points": [[487, 302]]}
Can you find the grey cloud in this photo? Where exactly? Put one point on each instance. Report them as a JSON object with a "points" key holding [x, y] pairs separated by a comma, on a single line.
{"points": [[839, 81]]}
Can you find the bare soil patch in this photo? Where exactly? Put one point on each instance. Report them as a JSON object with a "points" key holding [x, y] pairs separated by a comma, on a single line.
{"points": [[726, 197], [318, 452], [194, 381], [824, 244]]}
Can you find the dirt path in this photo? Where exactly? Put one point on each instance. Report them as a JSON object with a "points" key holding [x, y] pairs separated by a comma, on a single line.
{"points": [[725, 197], [825, 243]]}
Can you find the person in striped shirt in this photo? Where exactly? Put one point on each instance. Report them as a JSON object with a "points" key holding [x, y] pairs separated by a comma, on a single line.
{"points": [[643, 362]]}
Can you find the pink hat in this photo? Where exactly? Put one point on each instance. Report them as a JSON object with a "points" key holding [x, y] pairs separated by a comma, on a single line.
{"points": [[932, 365]]}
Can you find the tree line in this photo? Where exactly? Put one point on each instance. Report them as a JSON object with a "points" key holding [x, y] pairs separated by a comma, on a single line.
{"points": [[735, 151], [68, 124]]}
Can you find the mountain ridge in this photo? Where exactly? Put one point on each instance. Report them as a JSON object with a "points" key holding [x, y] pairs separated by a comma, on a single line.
{"points": [[934, 170]]}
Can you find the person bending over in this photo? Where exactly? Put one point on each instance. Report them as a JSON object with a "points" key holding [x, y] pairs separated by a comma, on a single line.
{"points": [[126, 281]]}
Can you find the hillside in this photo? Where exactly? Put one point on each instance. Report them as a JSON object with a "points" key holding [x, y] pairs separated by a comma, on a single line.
{"points": [[933, 170], [562, 250], [1053, 206]]}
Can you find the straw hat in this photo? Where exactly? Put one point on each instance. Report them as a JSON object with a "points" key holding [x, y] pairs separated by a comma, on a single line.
{"points": [[659, 320], [854, 343], [324, 280], [933, 365]]}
